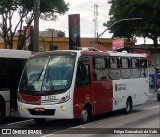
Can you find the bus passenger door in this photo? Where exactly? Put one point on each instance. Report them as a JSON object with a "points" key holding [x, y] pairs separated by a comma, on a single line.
{"points": [[83, 87], [102, 87], [107, 96], [102, 96]]}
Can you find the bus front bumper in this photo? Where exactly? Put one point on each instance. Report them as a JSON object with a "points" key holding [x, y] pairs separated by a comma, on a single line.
{"points": [[56, 111]]}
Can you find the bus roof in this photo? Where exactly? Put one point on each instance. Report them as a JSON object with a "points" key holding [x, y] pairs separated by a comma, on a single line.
{"points": [[11, 53], [93, 53], [127, 54], [118, 54]]}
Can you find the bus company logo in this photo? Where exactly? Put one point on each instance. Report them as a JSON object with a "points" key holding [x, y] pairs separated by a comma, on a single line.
{"points": [[116, 86], [6, 132], [120, 87]]}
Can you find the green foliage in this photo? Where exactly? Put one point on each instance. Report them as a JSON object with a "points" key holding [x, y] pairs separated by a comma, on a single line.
{"points": [[49, 10], [149, 10]]}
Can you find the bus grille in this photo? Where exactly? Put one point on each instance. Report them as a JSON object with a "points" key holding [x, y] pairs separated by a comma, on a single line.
{"points": [[46, 112]]}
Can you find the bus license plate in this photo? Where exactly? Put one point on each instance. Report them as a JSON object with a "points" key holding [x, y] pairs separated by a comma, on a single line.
{"points": [[39, 109]]}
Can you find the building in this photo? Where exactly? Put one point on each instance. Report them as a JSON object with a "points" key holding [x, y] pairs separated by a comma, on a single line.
{"points": [[57, 40]]}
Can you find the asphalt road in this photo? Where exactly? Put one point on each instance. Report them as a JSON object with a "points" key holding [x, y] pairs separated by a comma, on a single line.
{"points": [[143, 121]]}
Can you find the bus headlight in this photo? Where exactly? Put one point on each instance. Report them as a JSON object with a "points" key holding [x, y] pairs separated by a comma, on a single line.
{"points": [[62, 108], [64, 99], [20, 108]]}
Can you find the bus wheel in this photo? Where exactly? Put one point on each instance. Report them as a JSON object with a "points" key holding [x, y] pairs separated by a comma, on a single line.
{"points": [[85, 116], [128, 106], [39, 120], [2, 112]]}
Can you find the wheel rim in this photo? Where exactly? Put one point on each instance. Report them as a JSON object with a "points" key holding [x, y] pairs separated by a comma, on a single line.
{"points": [[85, 115], [127, 106]]}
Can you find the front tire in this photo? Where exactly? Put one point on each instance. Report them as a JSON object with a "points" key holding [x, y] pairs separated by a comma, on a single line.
{"points": [[85, 116], [128, 107]]}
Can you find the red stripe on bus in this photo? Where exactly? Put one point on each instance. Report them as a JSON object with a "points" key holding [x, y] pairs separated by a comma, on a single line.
{"points": [[29, 99]]}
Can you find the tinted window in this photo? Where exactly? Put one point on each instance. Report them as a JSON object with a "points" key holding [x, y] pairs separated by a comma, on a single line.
{"points": [[143, 65], [135, 71], [3, 74], [100, 68], [83, 72], [125, 68], [114, 68], [52, 74]]}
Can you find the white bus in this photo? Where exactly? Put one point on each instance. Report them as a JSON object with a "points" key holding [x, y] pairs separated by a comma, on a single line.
{"points": [[77, 84], [11, 66]]}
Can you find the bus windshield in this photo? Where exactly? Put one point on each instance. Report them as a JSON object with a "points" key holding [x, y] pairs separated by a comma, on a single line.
{"points": [[47, 74]]}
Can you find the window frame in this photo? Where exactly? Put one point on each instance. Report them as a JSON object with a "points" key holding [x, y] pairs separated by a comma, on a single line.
{"points": [[134, 68], [83, 83], [4, 77], [104, 68], [146, 67], [129, 67], [118, 67]]}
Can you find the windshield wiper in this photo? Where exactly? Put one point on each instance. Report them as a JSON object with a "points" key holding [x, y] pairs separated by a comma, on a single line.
{"points": [[36, 78], [40, 74]]}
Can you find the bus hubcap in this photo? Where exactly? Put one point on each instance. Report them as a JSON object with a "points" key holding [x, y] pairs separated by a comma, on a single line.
{"points": [[85, 115], [127, 106]]}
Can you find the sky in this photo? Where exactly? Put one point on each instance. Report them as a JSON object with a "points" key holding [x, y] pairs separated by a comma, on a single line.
{"points": [[87, 26], [86, 10]]}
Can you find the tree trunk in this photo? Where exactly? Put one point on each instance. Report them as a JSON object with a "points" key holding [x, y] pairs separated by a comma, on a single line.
{"points": [[22, 43]]}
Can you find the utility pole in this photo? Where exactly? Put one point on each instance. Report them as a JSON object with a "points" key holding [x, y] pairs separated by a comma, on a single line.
{"points": [[95, 20], [36, 25], [121, 20], [51, 30], [118, 22]]}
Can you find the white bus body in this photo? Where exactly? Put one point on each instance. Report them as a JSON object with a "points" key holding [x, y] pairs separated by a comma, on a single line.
{"points": [[99, 82], [11, 66]]}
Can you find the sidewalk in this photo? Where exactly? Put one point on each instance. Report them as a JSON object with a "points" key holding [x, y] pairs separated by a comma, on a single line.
{"points": [[153, 91]]}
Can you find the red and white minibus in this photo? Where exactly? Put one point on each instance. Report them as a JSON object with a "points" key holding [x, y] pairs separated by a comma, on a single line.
{"points": [[80, 83]]}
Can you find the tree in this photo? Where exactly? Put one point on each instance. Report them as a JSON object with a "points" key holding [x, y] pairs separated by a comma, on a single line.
{"points": [[49, 10], [149, 27]]}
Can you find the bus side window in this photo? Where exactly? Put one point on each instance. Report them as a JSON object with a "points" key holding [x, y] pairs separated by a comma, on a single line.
{"points": [[3, 74], [135, 71], [144, 70], [125, 68], [114, 68], [83, 72], [100, 66]]}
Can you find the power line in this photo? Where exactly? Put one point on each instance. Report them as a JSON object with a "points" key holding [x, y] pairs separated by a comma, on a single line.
{"points": [[87, 9], [83, 20], [96, 23]]}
